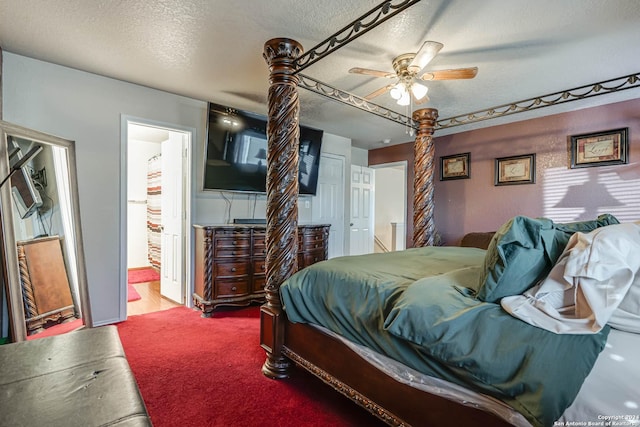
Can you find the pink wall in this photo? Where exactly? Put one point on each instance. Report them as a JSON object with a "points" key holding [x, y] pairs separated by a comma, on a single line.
{"points": [[476, 204]]}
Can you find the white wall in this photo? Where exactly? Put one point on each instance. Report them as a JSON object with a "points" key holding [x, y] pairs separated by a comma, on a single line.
{"points": [[87, 108], [139, 152], [359, 157]]}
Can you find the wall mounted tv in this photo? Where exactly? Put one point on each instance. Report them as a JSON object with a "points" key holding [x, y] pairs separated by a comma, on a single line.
{"points": [[236, 152]]}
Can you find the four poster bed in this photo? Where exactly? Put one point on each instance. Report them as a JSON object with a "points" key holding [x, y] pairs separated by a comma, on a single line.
{"points": [[419, 337]]}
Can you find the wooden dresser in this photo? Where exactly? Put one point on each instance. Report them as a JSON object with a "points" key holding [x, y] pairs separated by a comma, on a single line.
{"points": [[230, 262]]}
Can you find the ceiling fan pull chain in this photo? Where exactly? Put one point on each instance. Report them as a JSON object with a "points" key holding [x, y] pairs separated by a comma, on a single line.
{"points": [[409, 128]]}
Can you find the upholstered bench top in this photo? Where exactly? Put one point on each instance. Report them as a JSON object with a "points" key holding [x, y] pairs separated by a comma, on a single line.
{"points": [[80, 378]]}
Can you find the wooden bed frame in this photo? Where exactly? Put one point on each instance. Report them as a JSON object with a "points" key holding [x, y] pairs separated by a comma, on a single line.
{"points": [[325, 357], [306, 346]]}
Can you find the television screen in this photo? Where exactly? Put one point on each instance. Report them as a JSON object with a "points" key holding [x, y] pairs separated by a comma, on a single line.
{"points": [[236, 152], [23, 190]]}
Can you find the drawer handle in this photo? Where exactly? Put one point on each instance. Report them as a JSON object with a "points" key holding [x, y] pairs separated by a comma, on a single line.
{"points": [[316, 246], [234, 289], [262, 267], [234, 243], [233, 252], [315, 259], [233, 269]]}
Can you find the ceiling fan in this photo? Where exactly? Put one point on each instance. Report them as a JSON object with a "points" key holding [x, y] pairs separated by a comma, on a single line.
{"points": [[407, 66]]}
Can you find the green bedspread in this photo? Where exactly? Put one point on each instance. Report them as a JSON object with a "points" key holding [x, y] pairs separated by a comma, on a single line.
{"points": [[417, 307]]}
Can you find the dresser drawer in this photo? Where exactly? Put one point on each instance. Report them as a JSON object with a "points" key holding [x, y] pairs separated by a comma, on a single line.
{"points": [[259, 239], [311, 257], [308, 238], [232, 232], [308, 245], [232, 252], [233, 242], [259, 266], [259, 251], [227, 288], [258, 283], [231, 268]]}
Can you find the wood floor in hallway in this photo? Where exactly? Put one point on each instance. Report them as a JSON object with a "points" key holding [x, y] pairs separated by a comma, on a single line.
{"points": [[151, 299]]}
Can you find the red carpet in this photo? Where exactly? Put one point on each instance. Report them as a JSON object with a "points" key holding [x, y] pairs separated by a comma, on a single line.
{"points": [[132, 294], [140, 275], [62, 328], [195, 371]]}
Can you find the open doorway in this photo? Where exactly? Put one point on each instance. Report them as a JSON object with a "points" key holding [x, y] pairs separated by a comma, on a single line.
{"points": [[390, 206], [157, 218]]}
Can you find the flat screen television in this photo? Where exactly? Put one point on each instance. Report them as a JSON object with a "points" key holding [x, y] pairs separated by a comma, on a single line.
{"points": [[23, 189], [236, 152]]}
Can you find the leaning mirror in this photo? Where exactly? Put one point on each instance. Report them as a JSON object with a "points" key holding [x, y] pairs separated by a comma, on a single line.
{"points": [[42, 255]]}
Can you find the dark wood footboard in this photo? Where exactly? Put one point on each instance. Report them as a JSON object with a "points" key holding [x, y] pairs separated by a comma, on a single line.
{"points": [[395, 403]]}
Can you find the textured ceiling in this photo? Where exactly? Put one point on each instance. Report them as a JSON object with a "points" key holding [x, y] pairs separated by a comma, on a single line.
{"points": [[212, 50]]}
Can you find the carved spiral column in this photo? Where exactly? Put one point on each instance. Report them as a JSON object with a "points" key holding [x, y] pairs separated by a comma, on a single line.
{"points": [[424, 166], [27, 288], [283, 133]]}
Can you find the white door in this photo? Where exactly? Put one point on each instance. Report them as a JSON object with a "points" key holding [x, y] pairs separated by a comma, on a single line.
{"points": [[362, 210], [171, 279], [328, 204]]}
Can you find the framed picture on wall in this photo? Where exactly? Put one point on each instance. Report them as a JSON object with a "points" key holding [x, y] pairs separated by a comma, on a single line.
{"points": [[455, 166], [600, 148], [515, 170]]}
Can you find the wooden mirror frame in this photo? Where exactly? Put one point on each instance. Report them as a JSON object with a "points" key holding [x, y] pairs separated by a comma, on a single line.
{"points": [[10, 264]]}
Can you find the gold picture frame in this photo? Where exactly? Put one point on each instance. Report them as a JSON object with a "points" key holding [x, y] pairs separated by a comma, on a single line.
{"points": [[600, 148], [515, 170], [456, 166]]}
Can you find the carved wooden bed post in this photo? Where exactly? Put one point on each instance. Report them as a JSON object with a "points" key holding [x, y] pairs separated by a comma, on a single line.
{"points": [[283, 133], [424, 165]]}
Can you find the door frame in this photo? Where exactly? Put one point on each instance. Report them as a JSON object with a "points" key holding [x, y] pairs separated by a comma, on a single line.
{"points": [[187, 206], [405, 168]]}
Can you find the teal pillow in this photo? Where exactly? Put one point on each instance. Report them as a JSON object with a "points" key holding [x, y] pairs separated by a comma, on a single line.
{"points": [[524, 250], [564, 231], [515, 259]]}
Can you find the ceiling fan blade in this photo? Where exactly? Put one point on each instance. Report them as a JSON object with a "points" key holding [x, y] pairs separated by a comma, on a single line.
{"points": [[454, 74], [376, 73], [427, 52], [378, 92]]}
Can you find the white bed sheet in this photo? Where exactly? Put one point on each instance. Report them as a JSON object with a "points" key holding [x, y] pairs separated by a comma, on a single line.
{"points": [[610, 393]]}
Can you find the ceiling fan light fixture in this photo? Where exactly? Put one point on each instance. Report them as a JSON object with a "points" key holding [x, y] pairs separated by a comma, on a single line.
{"points": [[397, 91], [419, 90], [405, 99]]}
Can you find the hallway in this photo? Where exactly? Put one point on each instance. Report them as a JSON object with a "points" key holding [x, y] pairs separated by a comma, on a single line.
{"points": [[151, 299]]}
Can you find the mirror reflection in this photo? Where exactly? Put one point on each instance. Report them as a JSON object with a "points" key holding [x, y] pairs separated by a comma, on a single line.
{"points": [[42, 248]]}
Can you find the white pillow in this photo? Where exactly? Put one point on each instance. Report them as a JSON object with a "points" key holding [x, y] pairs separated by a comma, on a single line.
{"points": [[627, 315], [595, 281]]}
